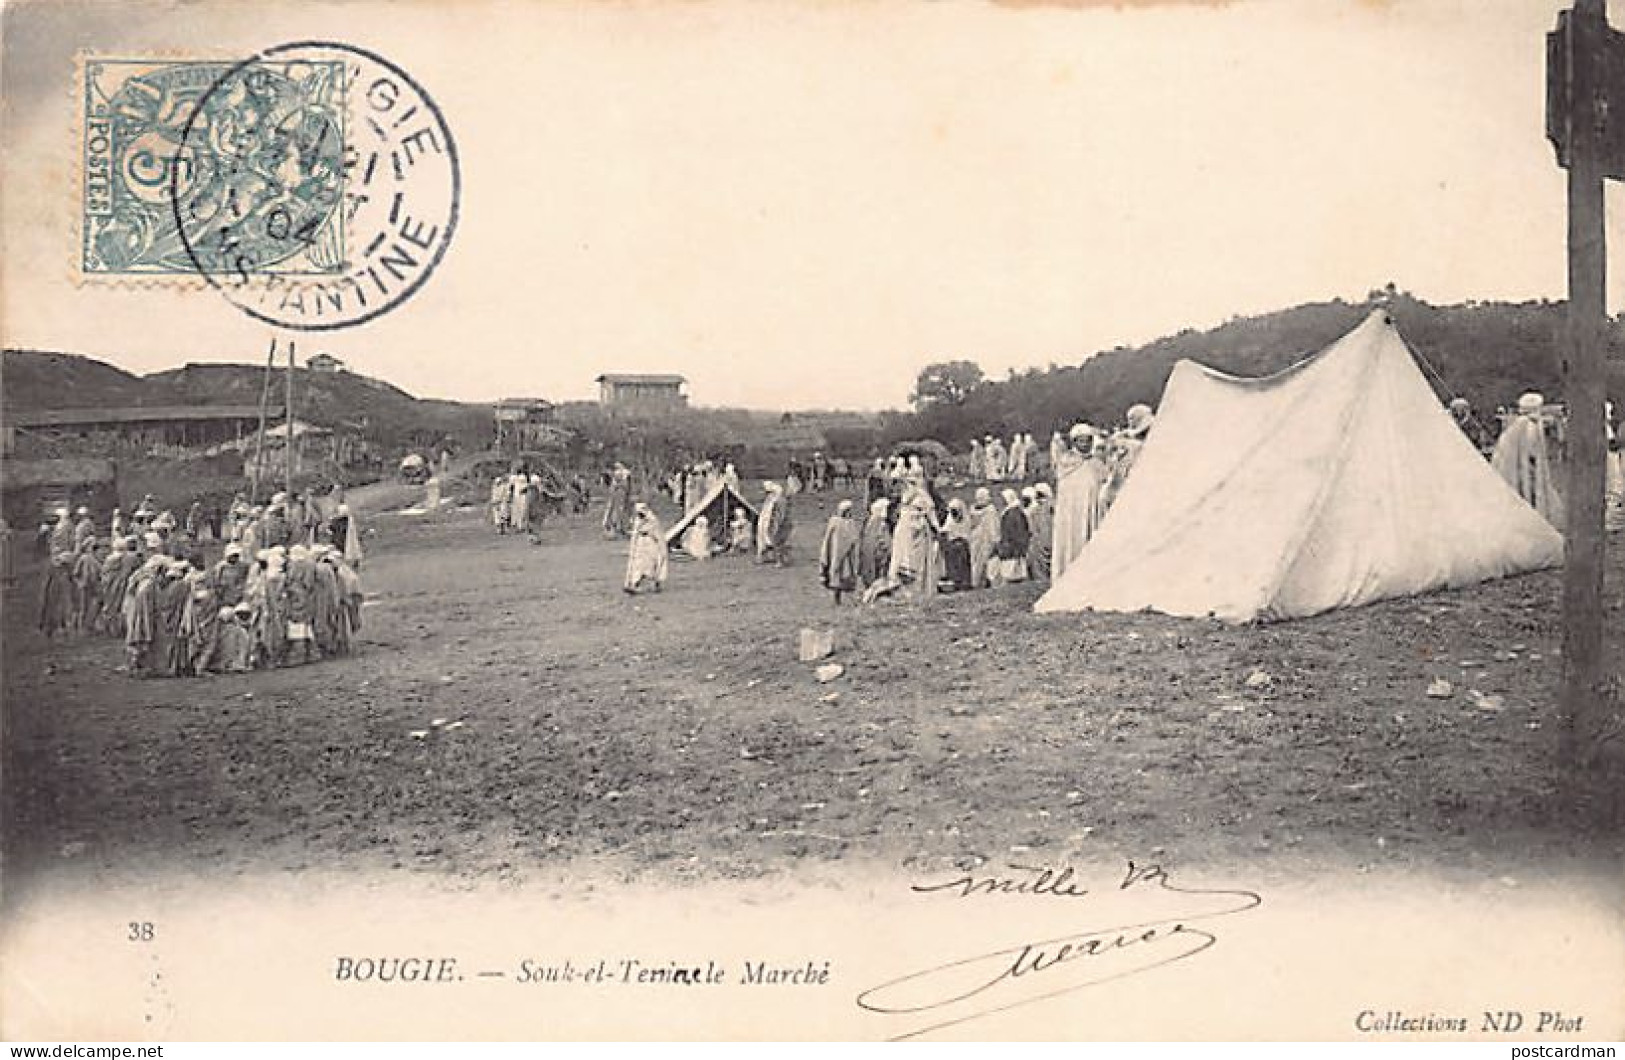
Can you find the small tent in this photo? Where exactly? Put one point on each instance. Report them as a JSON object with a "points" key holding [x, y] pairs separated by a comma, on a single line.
{"points": [[1334, 483], [719, 505]]}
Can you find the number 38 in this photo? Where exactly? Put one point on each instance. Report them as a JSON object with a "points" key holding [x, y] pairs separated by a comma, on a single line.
{"points": [[141, 931]]}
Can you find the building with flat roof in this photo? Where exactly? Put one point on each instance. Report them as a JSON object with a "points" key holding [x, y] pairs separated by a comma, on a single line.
{"points": [[641, 390], [187, 426]]}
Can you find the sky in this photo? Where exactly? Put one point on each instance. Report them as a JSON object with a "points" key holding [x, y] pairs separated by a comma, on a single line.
{"points": [[799, 205]]}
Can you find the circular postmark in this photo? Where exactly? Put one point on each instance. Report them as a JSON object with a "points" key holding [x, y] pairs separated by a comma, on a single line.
{"points": [[316, 185]]}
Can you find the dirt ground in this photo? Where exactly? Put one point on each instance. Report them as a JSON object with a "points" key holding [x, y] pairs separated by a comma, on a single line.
{"points": [[677, 734]]}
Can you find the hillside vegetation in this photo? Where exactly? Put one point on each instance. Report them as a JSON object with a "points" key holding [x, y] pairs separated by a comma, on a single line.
{"points": [[1488, 353]]}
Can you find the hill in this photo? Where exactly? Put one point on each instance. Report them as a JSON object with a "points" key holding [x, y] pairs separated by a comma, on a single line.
{"points": [[387, 415], [384, 413], [1488, 353], [38, 379]]}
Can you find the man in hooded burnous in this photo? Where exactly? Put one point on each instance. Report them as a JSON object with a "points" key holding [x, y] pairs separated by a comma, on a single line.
{"points": [[838, 553], [1522, 458], [1079, 477], [773, 527], [618, 505], [646, 559]]}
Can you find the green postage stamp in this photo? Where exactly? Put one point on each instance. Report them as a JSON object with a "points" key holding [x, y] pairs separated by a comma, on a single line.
{"points": [[213, 167]]}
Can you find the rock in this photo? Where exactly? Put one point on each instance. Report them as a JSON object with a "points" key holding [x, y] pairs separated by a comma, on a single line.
{"points": [[1484, 702], [1439, 688], [816, 644], [829, 672], [1259, 679], [830, 698], [419, 734]]}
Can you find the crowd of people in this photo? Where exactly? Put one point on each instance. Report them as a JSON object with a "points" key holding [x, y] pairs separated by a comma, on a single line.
{"points": [[689, 486], [286, 587], [911, 542], [285, 590], [766, 537], [521, 499]]}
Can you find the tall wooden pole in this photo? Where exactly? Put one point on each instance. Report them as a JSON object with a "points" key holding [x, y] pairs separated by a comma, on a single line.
{"points": [[1583, 380], [259, 439], [287, 424]]}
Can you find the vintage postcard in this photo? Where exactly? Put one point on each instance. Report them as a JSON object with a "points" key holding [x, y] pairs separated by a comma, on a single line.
{"points": [[875, 520]]}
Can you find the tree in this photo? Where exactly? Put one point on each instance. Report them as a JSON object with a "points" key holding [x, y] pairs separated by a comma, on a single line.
{"points": [[947, 383]]}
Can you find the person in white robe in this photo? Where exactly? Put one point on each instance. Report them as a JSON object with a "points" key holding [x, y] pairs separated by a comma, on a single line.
{"points": [[519, 502], [693, 488], [618, 504], [915, 565], [1522, 459], [996, 459], [646, 557], [1018, 458], [697, 538], [983, 533], [774, 496], [499, 503], [914, 471], [978, 470], [1079, 475]]}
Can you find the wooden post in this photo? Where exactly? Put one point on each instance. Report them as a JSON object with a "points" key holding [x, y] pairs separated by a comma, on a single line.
{"points": [[287, 425], [259, 442], [1583, 391]]}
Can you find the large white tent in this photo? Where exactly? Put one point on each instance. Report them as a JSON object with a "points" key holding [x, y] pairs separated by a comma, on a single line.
{"points": [[1334, 483]]}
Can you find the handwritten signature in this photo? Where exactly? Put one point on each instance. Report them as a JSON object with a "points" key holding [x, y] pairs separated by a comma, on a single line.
{"points": [[1026, 972]]}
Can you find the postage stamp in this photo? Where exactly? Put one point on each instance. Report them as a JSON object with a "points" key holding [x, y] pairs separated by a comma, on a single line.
{"points": [[267, 154], [315, 185]]}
